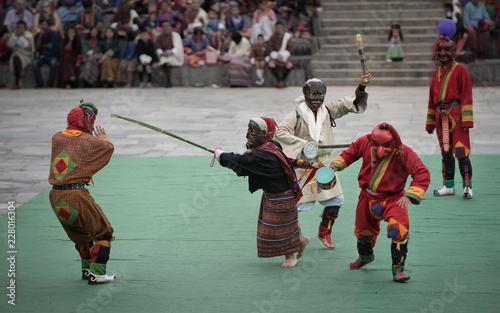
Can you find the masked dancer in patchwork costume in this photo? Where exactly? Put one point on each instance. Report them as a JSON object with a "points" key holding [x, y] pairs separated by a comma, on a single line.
{"points": [[76, 156], [387, 163], [449, 111], [313, 121], [270, 170]]}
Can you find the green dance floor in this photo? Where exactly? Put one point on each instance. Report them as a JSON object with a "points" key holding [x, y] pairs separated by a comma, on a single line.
{"points": [[186, 242]]}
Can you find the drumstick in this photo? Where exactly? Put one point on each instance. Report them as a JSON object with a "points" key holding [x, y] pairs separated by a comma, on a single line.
{"points": [[362, 57]]}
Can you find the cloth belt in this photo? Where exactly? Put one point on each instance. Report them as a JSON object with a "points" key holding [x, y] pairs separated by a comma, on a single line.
{"points": [[445, 123], [69, 186]]}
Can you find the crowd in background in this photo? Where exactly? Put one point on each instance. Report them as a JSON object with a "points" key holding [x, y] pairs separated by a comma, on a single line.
{"points": [[108, 43]]}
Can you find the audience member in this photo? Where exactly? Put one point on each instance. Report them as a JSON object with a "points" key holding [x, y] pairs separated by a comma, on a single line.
{"points": [[195, 46], [236, 21], [108, 56], [125, 19], [140, 6], [264, 20], [128, 62], [22, 46], [395, 51], [146, 54], [150, 22], [90, 72], [47, 52], [239, 69], [165, 13], [88, 18], [214, 29], [194, 16], [47, 12], [169, 49], [280, 51], [476, 22], [69, 65], [258, 57], [18, 13], [69, 11]]}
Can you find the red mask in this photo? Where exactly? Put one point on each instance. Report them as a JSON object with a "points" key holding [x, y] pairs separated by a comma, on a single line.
{"points": [[382, 142], [82, 119]]}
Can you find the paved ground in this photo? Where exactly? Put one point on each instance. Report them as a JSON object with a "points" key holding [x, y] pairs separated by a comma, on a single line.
{"points": [[209, 116]]}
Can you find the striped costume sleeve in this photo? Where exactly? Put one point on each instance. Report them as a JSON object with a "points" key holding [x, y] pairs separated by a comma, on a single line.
{"points": [[466, 99], [351, 154], [430, 123]]}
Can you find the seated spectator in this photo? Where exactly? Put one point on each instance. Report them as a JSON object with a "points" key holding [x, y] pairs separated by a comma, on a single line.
{"points": [[476, 22], [146, 56], [300, 17], [395, 51], [247, 6], [128, 62], [236, 21], [150, 22], [18, 13], [22, 46], [90, 72], [104, 6], [88, 18], [280, 51], [169, 50], [214, 29], [100, 29], [239, 69], [125, 19], [194, 16], [47, 12], [175, 18], [108, 56], [195, 46], [258, 57], [69, 65], [47, 52], [69, 11], [147, 27], [264, 20]]}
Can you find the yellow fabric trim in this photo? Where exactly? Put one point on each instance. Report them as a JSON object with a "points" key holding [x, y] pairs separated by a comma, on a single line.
{"points": [[72, 133], [340, 161], [467, 118], [383, 170], [419, 192], [445, 83], [431, 111], [109, 141], [467, 107]]}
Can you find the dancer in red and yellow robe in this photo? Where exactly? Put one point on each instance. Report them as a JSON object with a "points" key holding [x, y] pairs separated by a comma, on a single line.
{"points": [[387, 163]]}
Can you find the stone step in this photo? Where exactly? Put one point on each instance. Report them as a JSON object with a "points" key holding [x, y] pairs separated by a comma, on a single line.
{"points": [[377, 29], [393, 15], [379, 81], [354, 56], [378, 47], [381, 5], [415, 64], [354, 21], [343, 39], [394, 72]]}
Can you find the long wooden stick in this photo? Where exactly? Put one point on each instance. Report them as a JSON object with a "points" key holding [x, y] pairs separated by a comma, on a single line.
{"points": [[346, 145], [161, 131], [362, 57]]}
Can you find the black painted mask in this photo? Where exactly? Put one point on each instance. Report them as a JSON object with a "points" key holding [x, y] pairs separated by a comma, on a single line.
{"points": [[314, 93], [255, 135]]}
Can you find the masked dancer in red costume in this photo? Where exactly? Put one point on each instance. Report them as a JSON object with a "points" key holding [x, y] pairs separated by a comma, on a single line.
{"points": [[450, 112], [387, 163], [270, 170], [76, 156]]}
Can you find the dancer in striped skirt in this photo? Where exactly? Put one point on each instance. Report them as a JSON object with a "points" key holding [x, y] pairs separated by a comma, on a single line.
{"points": [[269, 169]]}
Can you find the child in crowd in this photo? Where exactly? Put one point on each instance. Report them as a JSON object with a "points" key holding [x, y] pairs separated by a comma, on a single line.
{"points": [[146, 54], [395, 51], [90, 72], [108, 55], [258, 57], [195, 46], [214, 29]]}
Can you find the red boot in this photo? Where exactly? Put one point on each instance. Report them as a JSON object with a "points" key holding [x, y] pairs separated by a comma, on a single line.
{"points": [[361, 261], [324, 235]]}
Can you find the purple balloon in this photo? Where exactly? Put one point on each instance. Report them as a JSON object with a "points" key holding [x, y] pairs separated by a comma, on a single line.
{"points": [[447, 27]]}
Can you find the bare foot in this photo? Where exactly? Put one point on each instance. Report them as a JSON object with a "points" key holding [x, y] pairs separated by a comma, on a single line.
{"points": [[304, 241], [290, 261]]}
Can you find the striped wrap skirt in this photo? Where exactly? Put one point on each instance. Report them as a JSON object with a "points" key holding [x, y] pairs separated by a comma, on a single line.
{"points": [[278, 227]]}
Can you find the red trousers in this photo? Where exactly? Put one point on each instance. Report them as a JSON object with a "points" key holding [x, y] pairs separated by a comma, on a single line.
{"points": [[372, 209]]}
